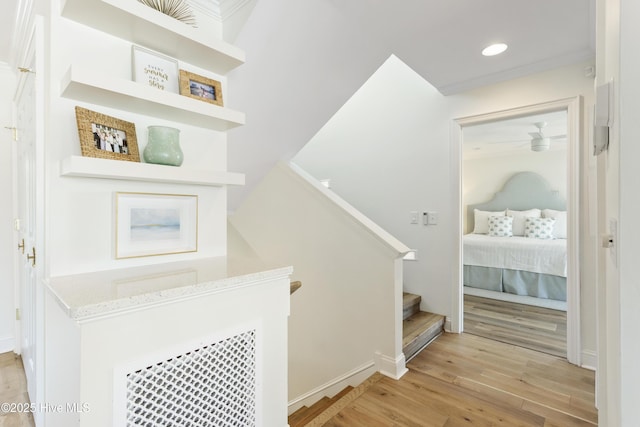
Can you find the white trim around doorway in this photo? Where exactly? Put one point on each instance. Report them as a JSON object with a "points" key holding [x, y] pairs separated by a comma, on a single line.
{"points": [[573, 106]]}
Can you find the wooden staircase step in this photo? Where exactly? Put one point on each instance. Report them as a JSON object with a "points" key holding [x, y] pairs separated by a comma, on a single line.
{"points": [[410, 304], [305, 415], [339, 396], [296, 418], [418, 330]]}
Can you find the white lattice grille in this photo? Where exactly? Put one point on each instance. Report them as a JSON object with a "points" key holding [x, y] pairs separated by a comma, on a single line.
{"points": [[209, 386]]}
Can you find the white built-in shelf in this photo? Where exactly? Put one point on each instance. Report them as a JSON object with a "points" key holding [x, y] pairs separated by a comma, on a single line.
{"points": [[90, 167], [97, 88], [140, 24]]}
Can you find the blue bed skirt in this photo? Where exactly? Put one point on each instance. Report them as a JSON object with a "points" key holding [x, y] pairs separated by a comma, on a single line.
{"points": [[516, 282]]}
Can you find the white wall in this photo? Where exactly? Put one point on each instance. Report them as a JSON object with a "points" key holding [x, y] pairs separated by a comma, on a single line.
{"points": [[348, 306], [387, 152], [384, 152], [619, 289], [628, 234], [7, 235], [484, 176], [80, 212]]}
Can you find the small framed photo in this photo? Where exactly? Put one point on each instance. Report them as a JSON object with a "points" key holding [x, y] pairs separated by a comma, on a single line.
{"points": [[106, 137], [199, 87], [154, 69], [155, 224]]}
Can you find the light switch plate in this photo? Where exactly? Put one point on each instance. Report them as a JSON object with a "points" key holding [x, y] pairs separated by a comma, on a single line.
{"points": [[432, 218], [413, 217]]}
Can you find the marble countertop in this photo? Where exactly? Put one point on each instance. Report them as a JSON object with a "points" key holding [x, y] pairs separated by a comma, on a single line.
{"points": [[92, 295]]}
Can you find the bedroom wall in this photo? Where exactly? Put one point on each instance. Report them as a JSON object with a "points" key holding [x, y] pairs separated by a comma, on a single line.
{"points": [[387, 152], [7, 250], [484, 176]]}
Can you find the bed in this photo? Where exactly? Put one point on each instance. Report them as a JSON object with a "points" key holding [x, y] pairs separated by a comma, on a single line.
{"points": [[517, 243]]}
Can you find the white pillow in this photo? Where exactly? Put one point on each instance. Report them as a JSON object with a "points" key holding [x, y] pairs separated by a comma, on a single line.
{"points": [[539, 228], [518, 219], [481, 220], [500, 226], [560, 228]]}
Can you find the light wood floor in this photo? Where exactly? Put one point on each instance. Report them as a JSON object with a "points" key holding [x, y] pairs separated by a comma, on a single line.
{"points": [[467, 380], [537, 328], [458, 380], [13, 389]]}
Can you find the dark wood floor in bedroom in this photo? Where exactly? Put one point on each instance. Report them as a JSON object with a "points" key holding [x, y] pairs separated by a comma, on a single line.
{"points": [[536, 328]]}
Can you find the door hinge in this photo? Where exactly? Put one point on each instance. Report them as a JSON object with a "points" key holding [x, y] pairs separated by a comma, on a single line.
{"points": [[26, 70], [17, 314], [14, 132]]}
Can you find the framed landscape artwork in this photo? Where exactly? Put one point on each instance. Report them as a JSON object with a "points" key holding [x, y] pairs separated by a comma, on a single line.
{"points": [[155, 224]]}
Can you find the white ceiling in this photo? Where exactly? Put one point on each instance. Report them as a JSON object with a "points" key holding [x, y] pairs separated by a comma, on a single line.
{"points": [[512, 135], [449, 35]]}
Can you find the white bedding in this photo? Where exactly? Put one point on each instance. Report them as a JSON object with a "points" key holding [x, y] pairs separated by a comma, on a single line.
{"points": [[516, 253]]}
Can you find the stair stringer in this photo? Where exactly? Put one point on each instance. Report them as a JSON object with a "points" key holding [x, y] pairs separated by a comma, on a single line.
{"points": [[331, 388]]}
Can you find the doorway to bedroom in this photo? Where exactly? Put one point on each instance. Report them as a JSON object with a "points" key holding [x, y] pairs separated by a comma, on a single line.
{"points": [[516, 258]]}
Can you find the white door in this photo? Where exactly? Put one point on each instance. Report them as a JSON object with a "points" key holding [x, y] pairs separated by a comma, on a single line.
{"points": [[25, 190], [28, 191]]}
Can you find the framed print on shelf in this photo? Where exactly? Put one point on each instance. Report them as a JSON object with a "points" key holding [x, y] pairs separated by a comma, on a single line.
{"points": [[150, 224], [154, 69], [200, 87], [106, 137]]}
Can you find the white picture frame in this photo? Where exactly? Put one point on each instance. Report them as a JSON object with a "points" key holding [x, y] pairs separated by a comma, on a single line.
{"points": [[149, 224], [155, 69]]}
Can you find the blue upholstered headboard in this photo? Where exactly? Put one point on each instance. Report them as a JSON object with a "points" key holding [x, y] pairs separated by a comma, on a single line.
{"points": [[524, 190]]}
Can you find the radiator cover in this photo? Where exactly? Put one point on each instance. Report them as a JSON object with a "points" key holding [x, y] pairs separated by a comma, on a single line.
{"points": [[210, 386]]}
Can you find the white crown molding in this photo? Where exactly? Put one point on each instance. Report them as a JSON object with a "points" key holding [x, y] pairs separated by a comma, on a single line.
{"points": [[210, 8], [230, 7], [501, 76], [220, 10], [21, 31]]}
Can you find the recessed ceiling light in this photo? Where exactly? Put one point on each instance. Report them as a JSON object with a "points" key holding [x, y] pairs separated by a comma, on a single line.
{"points": [[494, 49]]}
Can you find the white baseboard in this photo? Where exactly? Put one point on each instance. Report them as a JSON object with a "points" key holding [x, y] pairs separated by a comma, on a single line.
{"points": [[391, 367], [333, 387], [447, 325], [589, 359], [7, 344]]}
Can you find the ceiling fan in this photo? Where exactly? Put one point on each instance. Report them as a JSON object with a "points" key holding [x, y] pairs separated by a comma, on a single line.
{"points": [[540, 142]]}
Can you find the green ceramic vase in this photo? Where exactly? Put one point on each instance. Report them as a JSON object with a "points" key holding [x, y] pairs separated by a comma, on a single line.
{"points": [[163, 146]]}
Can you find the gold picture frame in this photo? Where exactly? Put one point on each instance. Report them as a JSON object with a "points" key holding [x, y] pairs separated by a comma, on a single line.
{"points": [[149, 224], [200, 87], [106, 137]]}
